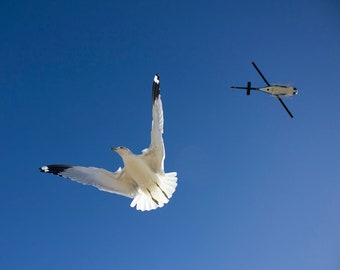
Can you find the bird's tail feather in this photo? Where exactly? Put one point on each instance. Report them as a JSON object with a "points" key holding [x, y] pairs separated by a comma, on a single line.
{"points": [[156, 195]]}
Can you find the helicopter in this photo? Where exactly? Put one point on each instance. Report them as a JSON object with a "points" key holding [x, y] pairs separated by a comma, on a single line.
{"points": [[273, 89]]}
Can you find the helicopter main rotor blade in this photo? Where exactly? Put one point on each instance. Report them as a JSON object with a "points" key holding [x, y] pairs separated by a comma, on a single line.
{"points": [[257, 69], [284, 105]]}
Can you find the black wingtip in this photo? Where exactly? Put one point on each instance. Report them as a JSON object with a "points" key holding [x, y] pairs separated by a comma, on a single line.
{"points": [[155, 87], [54, 169]]}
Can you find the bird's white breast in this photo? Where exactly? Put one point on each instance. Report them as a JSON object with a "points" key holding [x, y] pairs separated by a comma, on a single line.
{"points": [[139, 170]]}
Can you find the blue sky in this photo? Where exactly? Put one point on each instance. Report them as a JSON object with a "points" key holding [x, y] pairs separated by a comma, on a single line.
{"points": [[256, 189]]}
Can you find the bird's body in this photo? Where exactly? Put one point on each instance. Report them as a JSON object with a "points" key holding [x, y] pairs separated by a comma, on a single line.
{"points": [[148, 181], [139, 170], [142, 178]]}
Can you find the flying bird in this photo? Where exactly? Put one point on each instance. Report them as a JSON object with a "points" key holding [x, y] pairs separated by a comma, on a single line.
{"points": [[142, 178]]}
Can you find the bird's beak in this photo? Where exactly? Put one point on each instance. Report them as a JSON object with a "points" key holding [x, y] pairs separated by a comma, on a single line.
{"points": [[113, 148]]}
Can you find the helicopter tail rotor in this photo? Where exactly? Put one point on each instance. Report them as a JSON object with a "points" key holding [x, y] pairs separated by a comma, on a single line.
{"points": [[248, 88]]}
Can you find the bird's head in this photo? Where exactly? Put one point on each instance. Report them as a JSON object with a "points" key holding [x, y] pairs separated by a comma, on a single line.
{"points": [[121, 150]]}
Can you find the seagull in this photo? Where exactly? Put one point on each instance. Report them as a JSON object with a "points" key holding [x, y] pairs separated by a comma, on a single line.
{"points": [[142, 178]]}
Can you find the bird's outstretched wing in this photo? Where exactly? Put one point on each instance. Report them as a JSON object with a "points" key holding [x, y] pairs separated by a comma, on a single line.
{"points": [[155, 154], [117, 182]]}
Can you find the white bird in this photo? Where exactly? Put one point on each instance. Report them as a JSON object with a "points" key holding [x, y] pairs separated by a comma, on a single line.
{"points": [[143, 177]]}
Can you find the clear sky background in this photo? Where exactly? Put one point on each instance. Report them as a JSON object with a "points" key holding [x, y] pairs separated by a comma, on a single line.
{"points": [[256, 189]]}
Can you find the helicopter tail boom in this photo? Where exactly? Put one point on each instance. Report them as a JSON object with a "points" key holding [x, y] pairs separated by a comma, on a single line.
{"points": [[248, 88]]}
